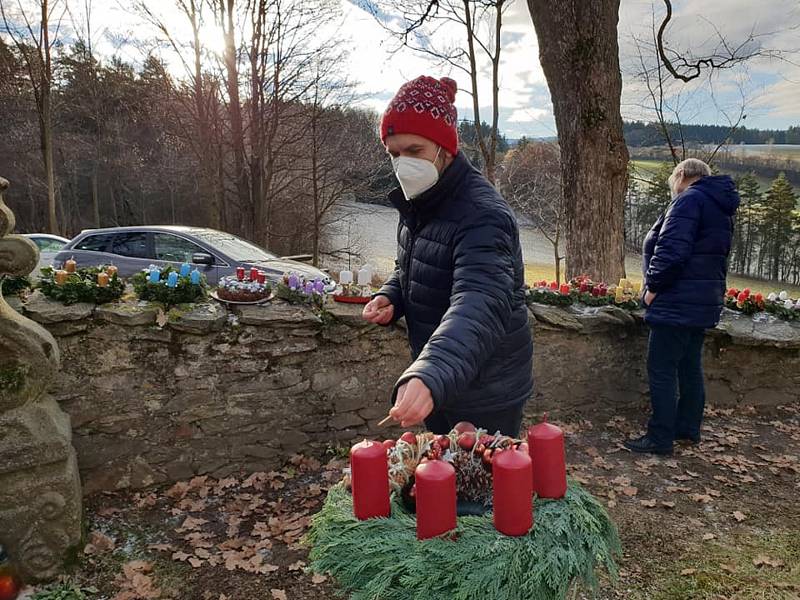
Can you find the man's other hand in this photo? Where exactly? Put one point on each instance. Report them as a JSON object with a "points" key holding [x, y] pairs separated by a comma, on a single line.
{"points": [[379, 310], [414, 403]]}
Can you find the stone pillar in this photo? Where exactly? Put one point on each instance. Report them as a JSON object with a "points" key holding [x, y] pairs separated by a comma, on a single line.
{"points": [[40, 497]]}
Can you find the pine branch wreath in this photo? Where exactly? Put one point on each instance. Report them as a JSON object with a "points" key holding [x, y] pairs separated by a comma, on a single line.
{"points": [[381, 559]]}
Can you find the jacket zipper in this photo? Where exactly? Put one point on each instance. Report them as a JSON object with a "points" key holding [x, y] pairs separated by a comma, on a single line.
{"points": [[410, 258]]}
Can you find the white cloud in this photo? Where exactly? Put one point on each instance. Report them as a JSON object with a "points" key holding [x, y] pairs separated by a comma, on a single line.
{"points": [[525, 107]]}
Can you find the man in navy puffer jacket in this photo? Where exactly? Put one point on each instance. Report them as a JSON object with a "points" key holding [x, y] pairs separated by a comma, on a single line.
{"points": [[459, 277], [685, 267]]}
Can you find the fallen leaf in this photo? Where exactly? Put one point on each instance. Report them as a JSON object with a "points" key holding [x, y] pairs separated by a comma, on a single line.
{"points": [[278, 594], [648, 503], [161, 318], [708, 536], [688, 572], [666, 504], [99, 543], [316, 579], [630, 491], [701, 498], [728, 568], [195, 562], [179, 490], [161, 547], [763, 559], [192, 523], [298, 566], [739, 516], [181, 556]]}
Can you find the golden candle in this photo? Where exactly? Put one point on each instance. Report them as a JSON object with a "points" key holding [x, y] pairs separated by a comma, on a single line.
{"points": [[70, 266], [102, 279], [111, 270], [61, 277]]}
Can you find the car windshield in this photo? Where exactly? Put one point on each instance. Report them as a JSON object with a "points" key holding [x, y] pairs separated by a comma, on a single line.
{"points": [[236, 248]]}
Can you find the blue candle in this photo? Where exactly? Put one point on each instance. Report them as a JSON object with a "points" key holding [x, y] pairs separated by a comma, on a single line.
{"points": [[185, 268], [172, 279], [155, 276], [195, 277]]}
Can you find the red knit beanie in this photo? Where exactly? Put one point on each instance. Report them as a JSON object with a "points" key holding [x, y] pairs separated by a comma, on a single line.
{"points": [[424, 106]]}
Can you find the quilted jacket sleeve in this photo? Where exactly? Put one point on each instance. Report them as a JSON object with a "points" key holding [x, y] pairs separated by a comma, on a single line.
{"points": [[675, 242], [394, 292], [480, 308]]}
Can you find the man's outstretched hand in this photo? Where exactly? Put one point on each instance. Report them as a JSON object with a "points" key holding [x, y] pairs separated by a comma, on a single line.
{"points": [[414, 402], [379, 310]]}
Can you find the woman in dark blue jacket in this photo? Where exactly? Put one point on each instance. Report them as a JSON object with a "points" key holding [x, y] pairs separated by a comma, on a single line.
{"points": [[685, 267], [459, 278]]}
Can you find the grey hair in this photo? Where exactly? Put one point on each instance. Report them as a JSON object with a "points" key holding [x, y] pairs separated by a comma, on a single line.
{"points": [[692, 168]]}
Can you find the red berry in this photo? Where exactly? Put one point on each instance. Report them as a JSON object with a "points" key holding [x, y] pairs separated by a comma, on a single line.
{"points": [[464, 427], [479, 449], [466, 440], [487, 456], [389, 444], [523, 447], [413, 491], [486, 439], [409, 438], [444, 442]]}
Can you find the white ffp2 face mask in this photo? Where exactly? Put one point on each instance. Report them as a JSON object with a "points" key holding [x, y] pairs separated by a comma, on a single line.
{"points": [[416, 175]]}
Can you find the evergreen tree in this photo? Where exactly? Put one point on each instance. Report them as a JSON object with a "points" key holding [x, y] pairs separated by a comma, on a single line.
{"points": [[780, 204], [748, 222]]}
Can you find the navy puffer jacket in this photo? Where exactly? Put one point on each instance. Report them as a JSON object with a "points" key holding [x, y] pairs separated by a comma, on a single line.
{"points": [[686, 255], [459, 283]]}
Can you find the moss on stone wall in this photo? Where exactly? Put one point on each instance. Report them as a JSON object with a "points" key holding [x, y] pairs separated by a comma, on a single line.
{"points": [[12, 378]]}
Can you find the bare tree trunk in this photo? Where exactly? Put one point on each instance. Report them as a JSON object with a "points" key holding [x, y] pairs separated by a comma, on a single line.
{"points": [[235, 113], [33, 225], [580, 57], [95, 198], [113, 195], [47, 123]]}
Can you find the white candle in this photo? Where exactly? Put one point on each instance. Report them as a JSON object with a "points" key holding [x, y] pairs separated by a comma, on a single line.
{"points": [[364, 277], [346, 277]]}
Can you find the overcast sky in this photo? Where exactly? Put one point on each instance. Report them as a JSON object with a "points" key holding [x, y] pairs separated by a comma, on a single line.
{"points": [[770, 88]]}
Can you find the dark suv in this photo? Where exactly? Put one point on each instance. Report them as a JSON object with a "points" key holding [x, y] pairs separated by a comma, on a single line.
{"points": [[214, 253]]}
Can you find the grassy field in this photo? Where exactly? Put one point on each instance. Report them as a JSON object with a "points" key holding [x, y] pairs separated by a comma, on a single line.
{"points": [[538, 272]]}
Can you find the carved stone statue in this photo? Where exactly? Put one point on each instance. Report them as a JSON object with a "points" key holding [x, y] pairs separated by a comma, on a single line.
{"points": [[40, 497]]}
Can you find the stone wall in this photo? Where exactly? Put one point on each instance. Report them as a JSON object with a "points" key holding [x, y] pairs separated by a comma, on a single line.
{"points": [[214, 392]]}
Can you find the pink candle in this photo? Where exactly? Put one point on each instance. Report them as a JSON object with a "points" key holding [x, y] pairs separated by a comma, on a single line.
{"points": [[512, 492], [369, 472], [253, 274], [436, 498]]}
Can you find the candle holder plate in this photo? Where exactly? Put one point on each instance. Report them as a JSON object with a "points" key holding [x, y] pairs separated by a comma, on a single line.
{"points": [[351, 299], [214, 295], [463, 507]]}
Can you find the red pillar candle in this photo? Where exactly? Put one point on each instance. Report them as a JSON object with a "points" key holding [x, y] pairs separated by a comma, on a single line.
{"points": [[239, 273], [369, 472], [565, 289], [436, 498], [253, 274], [546, 447], [512, 492]]}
